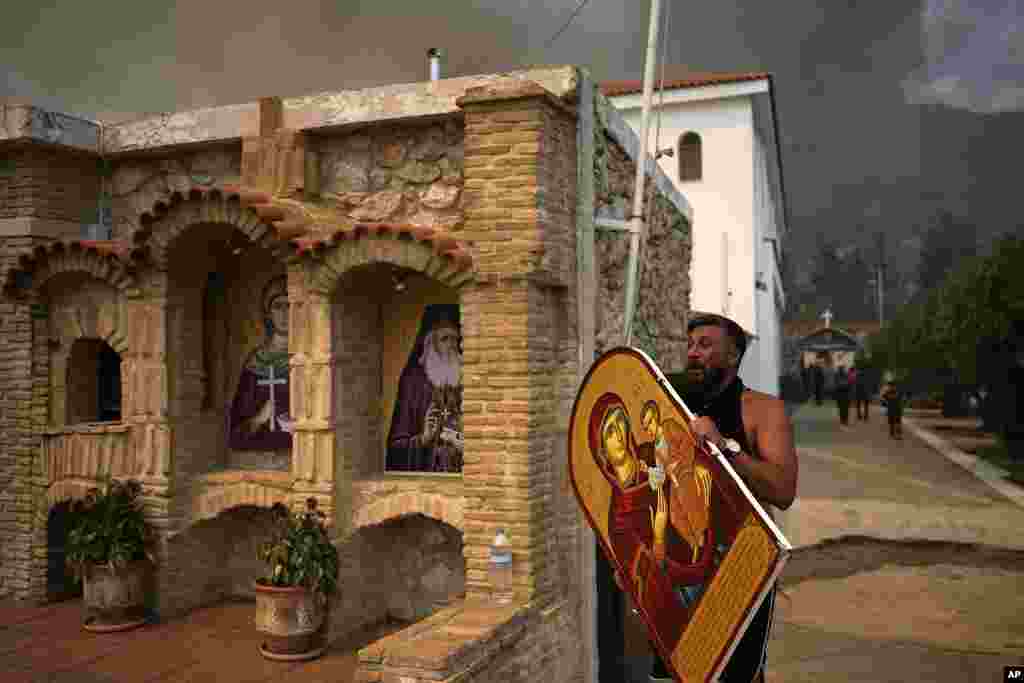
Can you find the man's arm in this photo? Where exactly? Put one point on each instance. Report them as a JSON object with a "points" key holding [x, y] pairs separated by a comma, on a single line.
{"points": [[773, 477]]}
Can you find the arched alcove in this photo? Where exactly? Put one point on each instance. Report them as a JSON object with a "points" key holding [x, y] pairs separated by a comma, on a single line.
{"points": [[93, 382], [60, 585], [397, 348], [417, 567], [215, 559], [216, 322]]}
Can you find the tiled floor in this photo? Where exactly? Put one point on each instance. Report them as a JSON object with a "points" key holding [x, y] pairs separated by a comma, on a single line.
{"points": [[213, 644]]}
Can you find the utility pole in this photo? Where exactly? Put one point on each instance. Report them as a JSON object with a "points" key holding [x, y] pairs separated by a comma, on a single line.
{"points": [[880, 276], [636, 223]]}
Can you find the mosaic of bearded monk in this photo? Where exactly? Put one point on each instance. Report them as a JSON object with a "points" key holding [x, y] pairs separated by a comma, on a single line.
{"points": [[642, 522], [426, 428], [259, 417]]}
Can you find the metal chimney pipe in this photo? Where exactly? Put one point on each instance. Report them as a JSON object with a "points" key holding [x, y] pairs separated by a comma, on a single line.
{"points": [[434, 56]]}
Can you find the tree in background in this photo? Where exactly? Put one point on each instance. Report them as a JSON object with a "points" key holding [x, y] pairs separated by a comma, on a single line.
{"points": [[968, 329]]}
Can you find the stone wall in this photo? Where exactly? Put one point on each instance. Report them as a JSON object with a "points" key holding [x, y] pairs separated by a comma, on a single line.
{"points": [[399, 173], [549, 650], [409, 173], [556, 348], [521, 366], [659, 324], [49, 183], [402, 570], [45, 191], [357, 379], [137, 184], [18, 443], [214, 559]]}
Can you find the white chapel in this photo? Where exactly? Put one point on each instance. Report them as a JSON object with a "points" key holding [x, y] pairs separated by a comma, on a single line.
{"points": [[722, 131]]}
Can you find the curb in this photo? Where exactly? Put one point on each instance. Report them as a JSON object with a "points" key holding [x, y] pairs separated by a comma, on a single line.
{"points": [[988, 473]]}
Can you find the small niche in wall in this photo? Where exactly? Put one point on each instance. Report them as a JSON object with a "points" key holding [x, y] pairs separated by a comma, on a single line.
{"points": [[93, 382], [59, 584]]}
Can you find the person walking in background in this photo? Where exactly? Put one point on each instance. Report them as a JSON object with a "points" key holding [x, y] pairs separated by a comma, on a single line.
{"points": [[862, 394], [842, 394], [892, 399], [819, 384], [806, 380]]}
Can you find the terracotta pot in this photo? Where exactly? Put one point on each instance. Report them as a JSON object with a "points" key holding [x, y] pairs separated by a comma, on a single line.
{"points": [[292, 620], [115, 599]]}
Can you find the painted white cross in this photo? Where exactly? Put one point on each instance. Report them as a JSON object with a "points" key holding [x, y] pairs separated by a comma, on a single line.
{"points": [[272, 382], [827, 315]]}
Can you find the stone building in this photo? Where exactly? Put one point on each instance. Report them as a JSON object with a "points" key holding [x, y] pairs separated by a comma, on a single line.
{"points": [[229, 305]]}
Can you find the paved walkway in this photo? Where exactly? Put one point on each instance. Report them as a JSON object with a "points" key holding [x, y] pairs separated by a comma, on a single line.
{"points": [[898, 609], [861, 482]]}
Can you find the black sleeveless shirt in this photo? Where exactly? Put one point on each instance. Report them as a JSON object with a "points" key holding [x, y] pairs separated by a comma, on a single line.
{"points": [[726, 410]]}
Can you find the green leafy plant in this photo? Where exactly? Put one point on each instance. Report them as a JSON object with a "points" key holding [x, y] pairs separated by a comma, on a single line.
{"points": [[108, 527], [300, 552]]}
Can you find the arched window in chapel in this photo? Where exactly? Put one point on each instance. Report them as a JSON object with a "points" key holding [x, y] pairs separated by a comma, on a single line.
{"points": [[689, 157]]}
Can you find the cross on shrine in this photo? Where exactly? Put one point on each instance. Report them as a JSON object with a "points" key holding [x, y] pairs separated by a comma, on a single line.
{"points": [[272, 382], [827, 316]]}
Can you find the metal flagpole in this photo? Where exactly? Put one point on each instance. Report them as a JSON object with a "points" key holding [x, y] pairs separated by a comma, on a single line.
{"points": [[637, 219]]}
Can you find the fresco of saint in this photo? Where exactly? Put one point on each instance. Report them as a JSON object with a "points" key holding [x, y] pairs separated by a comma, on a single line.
{"points": [[259, 418], [426, 427]]}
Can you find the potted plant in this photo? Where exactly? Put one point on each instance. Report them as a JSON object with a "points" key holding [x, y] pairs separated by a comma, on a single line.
{"points": [[302, 573], [108, 549]]}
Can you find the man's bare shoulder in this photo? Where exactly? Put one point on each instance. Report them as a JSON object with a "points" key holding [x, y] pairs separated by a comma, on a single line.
{"points": [[759, 398], [761, 404]]}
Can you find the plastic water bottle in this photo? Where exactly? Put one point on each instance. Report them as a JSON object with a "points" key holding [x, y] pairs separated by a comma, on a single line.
{"points": [[501, 569]]}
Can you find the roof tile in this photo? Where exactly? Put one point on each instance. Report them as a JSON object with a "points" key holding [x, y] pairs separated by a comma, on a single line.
{"points": [[441, 242], [290, 219], [683, 79], [116, 250]]}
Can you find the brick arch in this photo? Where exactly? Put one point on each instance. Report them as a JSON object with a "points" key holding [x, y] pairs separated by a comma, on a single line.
{"points": [[422, 249], [264, 220], [221, 492], [111, 262], [108, 324], [442, 508], [63, 490]]}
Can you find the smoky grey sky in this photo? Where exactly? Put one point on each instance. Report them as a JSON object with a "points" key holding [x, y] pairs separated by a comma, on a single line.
{"points": [[889, 111]]}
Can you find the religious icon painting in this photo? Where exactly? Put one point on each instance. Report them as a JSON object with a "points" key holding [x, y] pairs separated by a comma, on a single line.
{"points": [[426, 426], [260, 417], [697, 554]]}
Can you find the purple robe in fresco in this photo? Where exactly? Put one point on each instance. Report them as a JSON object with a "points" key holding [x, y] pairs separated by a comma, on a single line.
{"points": [[415, 397], [248, 400]]}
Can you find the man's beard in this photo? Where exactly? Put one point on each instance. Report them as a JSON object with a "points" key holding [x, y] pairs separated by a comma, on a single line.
{"points": [[701, 381], [442, 368]]}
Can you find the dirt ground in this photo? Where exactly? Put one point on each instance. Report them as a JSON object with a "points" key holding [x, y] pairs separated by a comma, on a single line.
{"points": [[839, 558]]}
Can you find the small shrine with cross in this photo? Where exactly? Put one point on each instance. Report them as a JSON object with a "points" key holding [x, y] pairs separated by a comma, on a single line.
{"points": [[827, 317], [828, 347], [381, 299]]}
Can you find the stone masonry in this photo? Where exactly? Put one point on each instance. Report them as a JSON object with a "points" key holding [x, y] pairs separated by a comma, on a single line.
{"points": [[465, 187]]}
